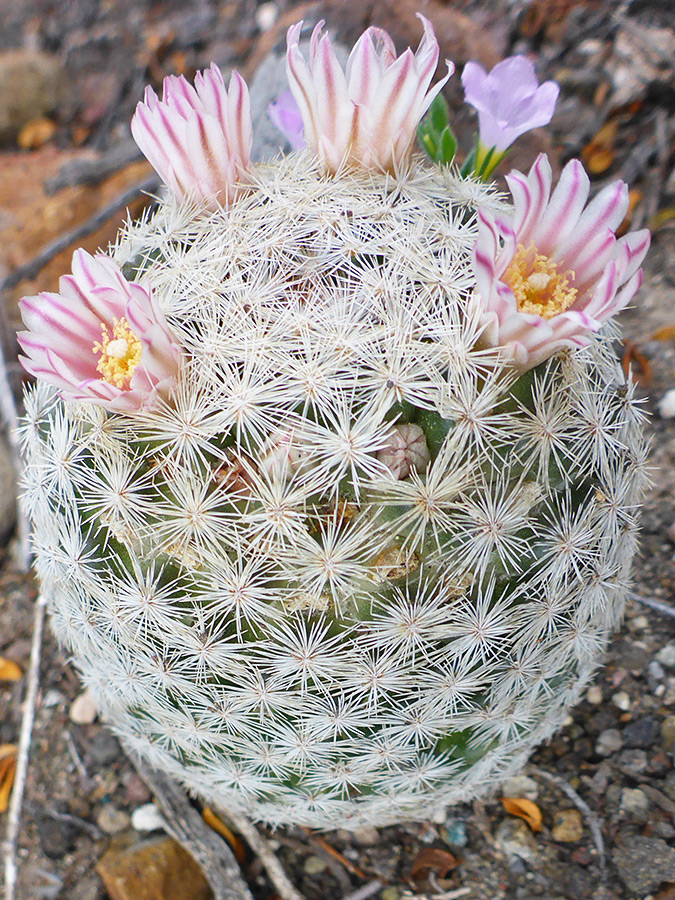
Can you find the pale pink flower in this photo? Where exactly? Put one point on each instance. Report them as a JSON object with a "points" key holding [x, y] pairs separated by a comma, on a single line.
{"points": [[509, 100], [551, 275], [101, 339], [198, 139], [366, 116], [284, 112]]}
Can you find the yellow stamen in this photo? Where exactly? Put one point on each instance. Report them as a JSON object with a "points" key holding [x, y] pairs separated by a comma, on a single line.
{"points": [[120, 353], [537, 284]]}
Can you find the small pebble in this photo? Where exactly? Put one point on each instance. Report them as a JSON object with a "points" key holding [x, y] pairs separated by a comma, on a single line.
{"points": [[568, 826], [366, 836], [520, 786], [266, 16], [621, 700], [514, 838], [147, 818], [454, 832], [635, 804], [641, 623], [632, 762], [582, 856], [112, 820], [641, 733], [53, 698], [391, 893], [594, 694], [666, 656], [136, 791], [667, 405], [668, 733], [656, 671], [608, 742], [83, 710], [314, 865]]}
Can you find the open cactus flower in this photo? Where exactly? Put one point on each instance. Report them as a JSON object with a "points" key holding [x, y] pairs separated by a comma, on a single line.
{"points": [[550, 276], [100, 339], [332, 469]]}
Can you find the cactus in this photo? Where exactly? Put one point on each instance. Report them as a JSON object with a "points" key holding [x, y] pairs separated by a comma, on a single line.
{"points": [[352, 560]]}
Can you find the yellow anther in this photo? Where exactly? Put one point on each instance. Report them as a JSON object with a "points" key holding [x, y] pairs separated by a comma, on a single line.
{"points": [[120, 353], [537, 285]]}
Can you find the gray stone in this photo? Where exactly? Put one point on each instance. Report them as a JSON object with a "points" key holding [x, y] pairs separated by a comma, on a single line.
{"points": [[514, 838], [642, 733], [366, 836], [644, 863], [7, 487], [314, 865], [520, 786], [635, 804], [608, 742], [31, 87], [112, 820], [668, 733], [632, 762], [666, 656]]}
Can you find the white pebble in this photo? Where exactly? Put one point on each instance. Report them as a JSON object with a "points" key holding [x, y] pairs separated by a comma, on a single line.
{"points": [[266, 16], [621, 700], [147, 818], [83, 710], [594, 695], [667, 405]]}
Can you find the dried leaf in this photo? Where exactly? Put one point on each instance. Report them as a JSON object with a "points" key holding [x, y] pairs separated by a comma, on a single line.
{"points": [[524, 809], [667, 333], [36, 133], [634, 197], [7, 770], [441, 862], [635, 363], [662, 217], [221, 828], [9, 671], [599, 153]]}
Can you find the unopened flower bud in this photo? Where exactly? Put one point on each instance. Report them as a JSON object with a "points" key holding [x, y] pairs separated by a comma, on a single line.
{"points": [[405, 450]]}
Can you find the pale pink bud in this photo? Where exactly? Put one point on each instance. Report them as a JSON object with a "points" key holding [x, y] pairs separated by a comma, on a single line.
{"points": [[405, 451], [101, 339], [367, 115], [198, 139]]}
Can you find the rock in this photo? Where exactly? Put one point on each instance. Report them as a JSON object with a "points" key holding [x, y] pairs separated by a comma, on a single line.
{"points": [[635, 804], [156, 869], [666, 656], [568, 826], [621, 700], [31, 88], [83, 710], [520, 786], [266, 16], [57, 836], [594, 694], [453, 832], [314, 865], [642, 733], [136, 791], [515, 839], [669, 785], [103, 750], [7, 474], [668, 733], [391, 893], [112, 820], [644, 863], [366, 836], [632, 762], [608, 742], [147, 818]]}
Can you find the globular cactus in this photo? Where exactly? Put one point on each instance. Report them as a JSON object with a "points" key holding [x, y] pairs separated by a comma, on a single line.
{"points": [[355, 541]]}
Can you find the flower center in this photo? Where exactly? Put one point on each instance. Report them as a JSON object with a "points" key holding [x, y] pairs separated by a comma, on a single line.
{"points": [[537, 285], [120, 353]]}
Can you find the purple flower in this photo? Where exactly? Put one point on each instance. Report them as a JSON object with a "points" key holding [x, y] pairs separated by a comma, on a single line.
{"points": [[367, 115], [551, 275], [509, 100], [284, 112], [198, 139]]}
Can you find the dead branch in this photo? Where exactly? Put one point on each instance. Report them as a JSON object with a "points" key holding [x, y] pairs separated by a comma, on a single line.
{"points": [[186, 826], [92, 224], [11, 843], [93, 171], [656, 605]]}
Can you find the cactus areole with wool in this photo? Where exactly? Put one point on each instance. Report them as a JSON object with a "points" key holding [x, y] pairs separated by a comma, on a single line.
{"points": [[332, 469]]}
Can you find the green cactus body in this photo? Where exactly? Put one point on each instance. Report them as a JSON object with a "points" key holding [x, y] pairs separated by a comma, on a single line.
{"points": [[259, 605]]}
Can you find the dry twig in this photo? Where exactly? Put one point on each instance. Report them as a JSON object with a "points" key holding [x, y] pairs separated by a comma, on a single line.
{"points": [[92, 224], [93, 171], [594, 822], [185, 825], [322, 844], [656, 605], [263, 851], [364, 892], [25, 736]]}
